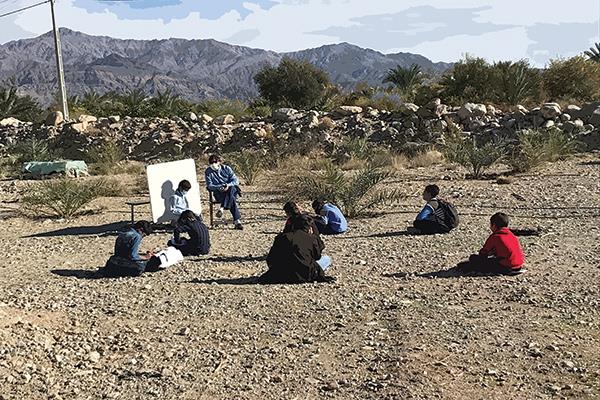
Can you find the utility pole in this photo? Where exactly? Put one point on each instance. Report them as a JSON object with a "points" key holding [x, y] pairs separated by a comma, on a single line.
{"points": [[59, 66]]}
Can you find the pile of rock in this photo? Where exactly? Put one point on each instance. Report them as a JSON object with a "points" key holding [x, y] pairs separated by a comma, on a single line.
{"points": [[410, 127]]}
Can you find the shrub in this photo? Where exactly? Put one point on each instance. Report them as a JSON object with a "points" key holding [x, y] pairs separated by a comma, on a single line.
{"points": [[64, 198], [537, 146], [217, 107], [593, 53], [573, 78], [515, 82], [465, 150], [105, 157], [354, 193], [468, 80], [405, 79], [248, 165], [297, 84], [23, 108], [426, 159]]}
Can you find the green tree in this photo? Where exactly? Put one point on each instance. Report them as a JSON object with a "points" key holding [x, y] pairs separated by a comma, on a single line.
{"points": [[469, 80], [405, 79], [572, 79], [594, 53], [135, 103], [297, 84]]}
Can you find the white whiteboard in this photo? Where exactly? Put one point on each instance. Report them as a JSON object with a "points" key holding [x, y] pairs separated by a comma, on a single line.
{"points": [[163, 179]]}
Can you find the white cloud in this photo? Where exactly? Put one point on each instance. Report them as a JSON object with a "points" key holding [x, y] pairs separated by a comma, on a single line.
{"points": [[287, 26]]}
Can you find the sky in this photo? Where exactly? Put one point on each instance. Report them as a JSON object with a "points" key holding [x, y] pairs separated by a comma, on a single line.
{"points": [[442, 30]]}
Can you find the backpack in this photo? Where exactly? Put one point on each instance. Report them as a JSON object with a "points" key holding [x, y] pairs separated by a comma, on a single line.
{"points": [[446, 215]]}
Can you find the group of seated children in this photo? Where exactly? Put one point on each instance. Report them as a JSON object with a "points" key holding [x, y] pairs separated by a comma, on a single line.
{"points": [[296, 255]]}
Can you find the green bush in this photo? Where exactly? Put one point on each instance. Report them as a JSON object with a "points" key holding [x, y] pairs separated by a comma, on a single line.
{"points": [[467, 81], [296, 84], [23, 108], [249, 165], [64, 198], [534, 147], [355, 193], [105, 158], [572, 79], [217, 107], [405, 79], [515, 82], [467, 152]]}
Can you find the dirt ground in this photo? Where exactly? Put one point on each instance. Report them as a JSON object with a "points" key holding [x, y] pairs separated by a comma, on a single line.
{"points": [[393, 326]]}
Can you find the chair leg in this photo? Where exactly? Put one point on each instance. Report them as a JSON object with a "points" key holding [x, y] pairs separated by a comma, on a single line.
{"points": [[210, 213]]}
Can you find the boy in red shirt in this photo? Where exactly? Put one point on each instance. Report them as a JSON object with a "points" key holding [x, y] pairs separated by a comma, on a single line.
{"points": [[501, 253]]}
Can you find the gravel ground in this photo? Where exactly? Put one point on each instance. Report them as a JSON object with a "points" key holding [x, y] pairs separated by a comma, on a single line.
{"points": [[203, 330]]}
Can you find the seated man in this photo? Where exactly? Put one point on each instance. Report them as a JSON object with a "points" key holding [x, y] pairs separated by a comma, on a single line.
{"points": [[127, 260], [224, 185], [293, 211], [329, 219], [295, 256], [198, 242], [428, 220], [501, 253], [178, 202]]}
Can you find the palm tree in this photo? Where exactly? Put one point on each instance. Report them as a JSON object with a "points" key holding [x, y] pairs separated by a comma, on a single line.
{"points": [[405, 79], [594, 53], [135, 102], [21, 107]]}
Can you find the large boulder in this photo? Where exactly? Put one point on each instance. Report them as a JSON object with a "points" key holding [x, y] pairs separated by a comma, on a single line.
{"points": [[471, 110], [285, 114], [55, 118], [79, 127], [10, 121], [86, 119], [206, 118], [226, 119], [551, 110], [346, 111]]}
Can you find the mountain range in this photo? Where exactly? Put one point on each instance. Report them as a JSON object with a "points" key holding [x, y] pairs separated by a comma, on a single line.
{"points": [[194, 69]]}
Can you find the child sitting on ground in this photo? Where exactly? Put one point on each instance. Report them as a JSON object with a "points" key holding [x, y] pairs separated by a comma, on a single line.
{"points": [[501, 254], [437, 216]]}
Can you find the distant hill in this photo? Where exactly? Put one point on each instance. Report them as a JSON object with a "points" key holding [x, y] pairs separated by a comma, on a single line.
{"points": [[195, 69]]}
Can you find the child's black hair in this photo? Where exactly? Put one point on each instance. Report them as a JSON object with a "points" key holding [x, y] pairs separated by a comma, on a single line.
{"points": [[500, 220], [433, 190], [184, 185], [143, 226]]}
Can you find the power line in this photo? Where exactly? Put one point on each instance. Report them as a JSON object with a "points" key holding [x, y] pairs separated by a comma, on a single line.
{"points": [[24, 8]]}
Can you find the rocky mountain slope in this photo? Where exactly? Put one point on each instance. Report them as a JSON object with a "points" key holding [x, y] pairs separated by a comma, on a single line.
{"points": [[195, 69]]}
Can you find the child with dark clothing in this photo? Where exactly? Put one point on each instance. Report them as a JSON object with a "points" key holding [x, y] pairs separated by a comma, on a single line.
{"points": [[427, 221], [198, 242], [501, 254]]}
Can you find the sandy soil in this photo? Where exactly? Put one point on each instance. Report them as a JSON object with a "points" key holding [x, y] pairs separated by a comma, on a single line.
{"points": [[383, 331]]}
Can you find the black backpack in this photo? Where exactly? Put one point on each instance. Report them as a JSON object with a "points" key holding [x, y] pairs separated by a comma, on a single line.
{"points": [[446, 215]]}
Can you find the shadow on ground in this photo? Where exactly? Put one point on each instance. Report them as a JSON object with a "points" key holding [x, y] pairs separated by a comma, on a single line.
{"points": [[78, 273], [252, 280], [113, 229], [231, 259]]}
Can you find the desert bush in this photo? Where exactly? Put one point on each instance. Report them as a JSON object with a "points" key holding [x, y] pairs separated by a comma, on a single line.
{"points": [[426, 159], [468, 80], [573, 78], [514, 82], [248, 164], [217, 107], [23, 108], [297, 84], [64, 198], [467, 152], [593, 53], [354, 193], [30, 150], [537, 146], [405, 79], [260, 107], [105, 158]]}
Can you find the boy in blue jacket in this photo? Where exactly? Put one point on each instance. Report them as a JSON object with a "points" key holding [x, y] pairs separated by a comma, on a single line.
{"points": [[329, 219], [224, 185]]}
